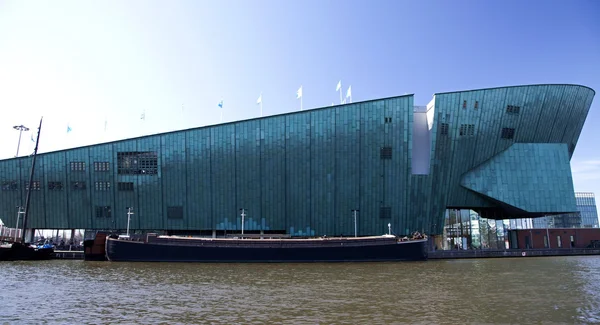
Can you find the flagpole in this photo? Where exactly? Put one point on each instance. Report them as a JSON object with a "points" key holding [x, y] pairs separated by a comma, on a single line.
{"points": [[260, 105], [340, 93], [301, 97]]}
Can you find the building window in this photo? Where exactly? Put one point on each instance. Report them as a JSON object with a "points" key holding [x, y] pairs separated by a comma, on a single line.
{"points": [[103, 212], [476, 104], [137, 163], [467, 130], [388, 120], [125, 186], [78, 166], [444, 128], [35, 185], [464, 104], [10, 186], [511, 109], [559, 242], [78, 185], [386, 153], [385, 212], [175, 212], [101, 166], [508, 133], [55, 186], [102, 186]]}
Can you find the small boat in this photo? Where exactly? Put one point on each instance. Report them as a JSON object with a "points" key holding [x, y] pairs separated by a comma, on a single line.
{"points": [[18, 251], [154, 248]]}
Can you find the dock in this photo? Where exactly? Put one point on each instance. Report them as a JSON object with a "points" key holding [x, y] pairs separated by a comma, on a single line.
{"points": [[497, 253], [68, 255], [440, 254]]}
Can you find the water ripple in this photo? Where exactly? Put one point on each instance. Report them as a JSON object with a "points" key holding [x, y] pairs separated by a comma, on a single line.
{"points": [[518, 291]]}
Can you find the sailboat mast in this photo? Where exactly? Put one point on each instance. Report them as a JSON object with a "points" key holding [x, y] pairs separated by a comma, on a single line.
{"points": [[27, 200]]}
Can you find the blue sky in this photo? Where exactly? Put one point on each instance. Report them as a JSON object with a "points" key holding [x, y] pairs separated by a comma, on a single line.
{"points": [[83, 63]]}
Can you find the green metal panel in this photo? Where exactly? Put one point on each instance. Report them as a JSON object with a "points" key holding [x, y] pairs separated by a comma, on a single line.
{"points": [[223, 173], [298, 170], [272, 169], [79, 202], [199, 208], [248, 181], [98, 154], [173, 175], [532, 177]]}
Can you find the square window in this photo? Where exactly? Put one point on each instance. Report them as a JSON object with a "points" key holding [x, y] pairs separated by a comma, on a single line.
{"points": [[444, 128], [386, 153], [507, 133]]}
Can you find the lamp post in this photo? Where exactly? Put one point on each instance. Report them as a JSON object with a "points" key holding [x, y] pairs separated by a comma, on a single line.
{"points": [[19, 213], [20, 128], [129, 213], [354, 212], [243, 214]]}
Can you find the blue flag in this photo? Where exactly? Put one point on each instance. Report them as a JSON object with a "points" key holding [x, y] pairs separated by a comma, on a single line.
{"points": [[221, 104], [68, 128]]}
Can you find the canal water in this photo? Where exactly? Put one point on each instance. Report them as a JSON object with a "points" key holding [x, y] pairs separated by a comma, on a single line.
{"points": [[479, 291]]}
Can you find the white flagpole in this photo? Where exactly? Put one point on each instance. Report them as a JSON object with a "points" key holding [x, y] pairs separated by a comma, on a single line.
{"points": [[299, 94], [340, 94], [259, 101]]}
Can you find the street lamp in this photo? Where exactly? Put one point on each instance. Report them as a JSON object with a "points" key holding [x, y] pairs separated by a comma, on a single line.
{"points": [[243, 214], [20, 128], [355, 211], [129, 213]]}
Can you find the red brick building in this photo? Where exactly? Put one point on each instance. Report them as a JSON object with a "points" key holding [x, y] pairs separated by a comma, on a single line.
{"points": [[559, 238]]}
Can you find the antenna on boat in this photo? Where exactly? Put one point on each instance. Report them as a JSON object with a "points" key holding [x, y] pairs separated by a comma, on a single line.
{"points": [[30, 184], [243, 214], [129, 213], [389, 228], [355, 211]]}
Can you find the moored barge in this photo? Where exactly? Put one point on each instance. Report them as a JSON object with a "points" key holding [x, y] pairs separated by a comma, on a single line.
{"points": [[156, 248]]}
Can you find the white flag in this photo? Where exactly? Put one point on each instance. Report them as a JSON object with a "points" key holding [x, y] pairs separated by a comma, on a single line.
{"points": [[299, 92], [259, 100], [349, 92], [339, 86]]}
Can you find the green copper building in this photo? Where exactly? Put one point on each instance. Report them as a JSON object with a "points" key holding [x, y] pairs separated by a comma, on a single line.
{"points": [[503, 152]]}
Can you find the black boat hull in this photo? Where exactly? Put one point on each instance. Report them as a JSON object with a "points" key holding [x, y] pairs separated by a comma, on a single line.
{"points": [[132, 251], [18, 252]]}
